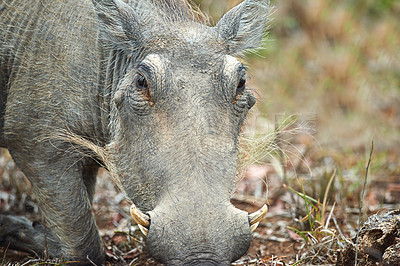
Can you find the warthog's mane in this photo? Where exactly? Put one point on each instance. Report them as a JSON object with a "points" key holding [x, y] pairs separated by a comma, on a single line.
{"points": [[177, 11]]}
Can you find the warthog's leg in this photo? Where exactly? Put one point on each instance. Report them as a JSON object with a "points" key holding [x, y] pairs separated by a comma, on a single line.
{"points": [[64, 187]]}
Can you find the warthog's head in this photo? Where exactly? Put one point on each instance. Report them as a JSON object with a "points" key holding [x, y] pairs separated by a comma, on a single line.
{"points": [[179, 99]]}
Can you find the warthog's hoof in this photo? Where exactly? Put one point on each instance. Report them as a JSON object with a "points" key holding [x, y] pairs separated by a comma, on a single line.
{"points": [[17, 232]]}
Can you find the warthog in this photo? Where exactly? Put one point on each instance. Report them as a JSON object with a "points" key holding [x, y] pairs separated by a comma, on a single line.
{"points": [[144, 88]]}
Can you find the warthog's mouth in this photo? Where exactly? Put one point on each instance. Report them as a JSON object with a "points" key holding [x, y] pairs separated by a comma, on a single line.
{"points": [[143, 220]]}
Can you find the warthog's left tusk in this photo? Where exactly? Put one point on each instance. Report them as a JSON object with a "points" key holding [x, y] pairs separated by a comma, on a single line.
{"points": [[140, 218], [254, 227], [256, 217]]}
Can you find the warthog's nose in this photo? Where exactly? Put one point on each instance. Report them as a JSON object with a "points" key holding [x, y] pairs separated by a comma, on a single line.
{"points": [[198, 235]]}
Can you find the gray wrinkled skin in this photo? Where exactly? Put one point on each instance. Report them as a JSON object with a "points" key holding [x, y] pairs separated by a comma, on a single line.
{"points": [[158, 92]]}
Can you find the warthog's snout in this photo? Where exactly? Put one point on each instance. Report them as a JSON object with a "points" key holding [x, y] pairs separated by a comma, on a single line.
{"points": [[216, 235], [197, 233]]}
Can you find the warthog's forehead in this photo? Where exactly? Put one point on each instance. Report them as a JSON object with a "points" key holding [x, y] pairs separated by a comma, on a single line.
{"points": [[190, 38], [224, 64]]}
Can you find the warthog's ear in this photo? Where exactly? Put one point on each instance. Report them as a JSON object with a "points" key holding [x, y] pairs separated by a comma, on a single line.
{"points": [[120, 24], [243, 26]]}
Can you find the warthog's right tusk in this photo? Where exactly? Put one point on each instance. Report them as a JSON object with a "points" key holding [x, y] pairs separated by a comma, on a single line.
{"points": [[143, 229], [256, 217], [140, 218]]}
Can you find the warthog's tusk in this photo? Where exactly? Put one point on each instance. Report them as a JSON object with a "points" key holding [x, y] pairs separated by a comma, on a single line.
{"points": [[143, 229], [140, 218], [257, 216], [254, 227]]}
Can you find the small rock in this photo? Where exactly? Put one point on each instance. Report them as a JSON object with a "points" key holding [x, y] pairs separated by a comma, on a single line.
{"points": [[392, 254], [379, 241]]}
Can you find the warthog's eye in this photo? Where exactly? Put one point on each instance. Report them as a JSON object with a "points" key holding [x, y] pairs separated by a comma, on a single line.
{"points": [[143, 86], [243, 98], [141, 83], [241, 86]]}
